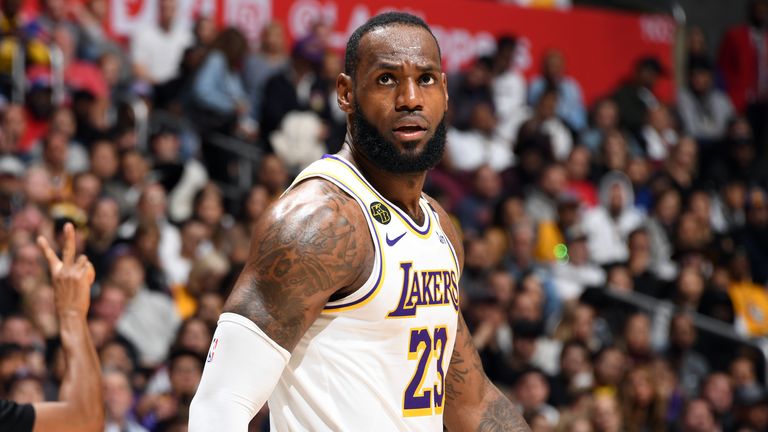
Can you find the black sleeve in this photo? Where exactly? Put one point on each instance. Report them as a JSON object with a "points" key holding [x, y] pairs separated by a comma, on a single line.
{"points": [[15, 417]]}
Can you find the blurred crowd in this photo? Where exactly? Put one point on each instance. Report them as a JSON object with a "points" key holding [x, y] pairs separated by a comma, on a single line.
{"points": [[603, 243]]}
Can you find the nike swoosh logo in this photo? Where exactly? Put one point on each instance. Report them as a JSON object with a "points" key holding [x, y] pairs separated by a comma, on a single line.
{"points": [[394, 240]]}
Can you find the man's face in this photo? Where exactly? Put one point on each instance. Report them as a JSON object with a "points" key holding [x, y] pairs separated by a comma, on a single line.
{"points": [[399, 99]]}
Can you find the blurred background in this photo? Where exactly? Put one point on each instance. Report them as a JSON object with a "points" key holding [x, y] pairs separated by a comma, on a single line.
{"points": [[606, 165]]}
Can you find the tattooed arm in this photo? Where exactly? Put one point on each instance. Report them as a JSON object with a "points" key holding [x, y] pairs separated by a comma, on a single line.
{"points": [[305, 249], [473, 403]]}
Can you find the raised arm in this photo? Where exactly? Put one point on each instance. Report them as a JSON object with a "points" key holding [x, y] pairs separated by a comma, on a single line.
{"points": [[81, 405], [473, 403], [306, 248]]}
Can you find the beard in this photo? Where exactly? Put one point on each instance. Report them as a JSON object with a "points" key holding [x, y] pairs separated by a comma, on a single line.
{"points": [[383, 153]]}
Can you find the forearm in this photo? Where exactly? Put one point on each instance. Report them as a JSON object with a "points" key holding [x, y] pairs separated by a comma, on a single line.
{"points": [[494, 412], [80, 406], [243, 367]]}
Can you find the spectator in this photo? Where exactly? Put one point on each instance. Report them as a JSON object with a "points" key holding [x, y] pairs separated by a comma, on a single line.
{"points": [[754, 236], [605, 117], [574, 273], [570, 105], [470, 89], [658, 134], [508, 87], [157, 48], [118, 398], [531, 391], [259, 67], [705, 110], [717, 391], [103, 235], [691, 366], [578, 169], [544, 120], [219, 96], [150, 319], [636, 97], [541, 200], [608, 225], [480, 144], [475, 211], [743, 59]]}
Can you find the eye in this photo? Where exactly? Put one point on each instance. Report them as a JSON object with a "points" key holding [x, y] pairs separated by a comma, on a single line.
{"points": [[426, 79], [386, 79]]}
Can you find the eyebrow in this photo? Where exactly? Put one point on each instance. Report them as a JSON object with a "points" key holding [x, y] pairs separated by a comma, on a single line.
{"points": [[423, 67]]}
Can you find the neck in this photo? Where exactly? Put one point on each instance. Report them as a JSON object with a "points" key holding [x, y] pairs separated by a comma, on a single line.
{"points": [[404, 190]]}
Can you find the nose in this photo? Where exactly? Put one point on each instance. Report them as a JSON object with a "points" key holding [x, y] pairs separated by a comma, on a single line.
{"points": [[409, 97]]}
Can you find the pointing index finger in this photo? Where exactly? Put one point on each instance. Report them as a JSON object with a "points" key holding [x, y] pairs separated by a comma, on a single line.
{"points": [[50, 255]]}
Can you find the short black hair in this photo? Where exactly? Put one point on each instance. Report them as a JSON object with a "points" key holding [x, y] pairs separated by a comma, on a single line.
{"points": [[379, 21]]}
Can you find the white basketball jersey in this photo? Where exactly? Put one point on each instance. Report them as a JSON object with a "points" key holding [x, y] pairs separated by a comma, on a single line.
{"points": [[377, 359]]}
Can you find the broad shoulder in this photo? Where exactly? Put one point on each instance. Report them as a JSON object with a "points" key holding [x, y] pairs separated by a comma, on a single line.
{"points": [[315, 224], [448, 226]]}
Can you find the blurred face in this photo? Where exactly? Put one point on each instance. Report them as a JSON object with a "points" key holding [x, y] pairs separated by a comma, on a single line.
{"points": [[258, 200], [273, 39], [118, 396], [583, 321], [531, 391], [196, 336], [742, 372], [104, 161], [134, 168], [85, 191], [547, 107], [152, 204], [638, 334], [554, 65], [690, 285], [502, 285], [166, 147], [63, 122], [606, 416], [17, 330], [185, 375], [128, 273], [641, 387], [638, 171], [615, 154], [27, 391], [105, 218], [210, 209], [37, 186], [607, 115], [718, 392], [487, 183], [574, 360], [610, 366], [685, 153], [577, 166], [525, 307], [616, 199], [483, 119], [26, 266], [701, 81], [205, 30], [210, 307], [114, 356], [167, 11], [668, 208], [110, 304], [757, 215], [683, 332]]}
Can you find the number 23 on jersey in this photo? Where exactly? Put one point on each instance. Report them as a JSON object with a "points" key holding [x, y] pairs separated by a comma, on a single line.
{"points": [[422, 397]]}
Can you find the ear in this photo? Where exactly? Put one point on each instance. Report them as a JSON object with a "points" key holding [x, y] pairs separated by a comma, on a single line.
{"points": [[445, 89], [344, 94]]}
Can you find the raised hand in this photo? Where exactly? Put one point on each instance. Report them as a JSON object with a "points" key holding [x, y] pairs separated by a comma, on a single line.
{"points": [[72, 279]]}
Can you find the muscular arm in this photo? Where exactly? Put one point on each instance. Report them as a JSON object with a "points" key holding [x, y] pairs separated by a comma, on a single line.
{"points": [[304, 250], [473, 403]]}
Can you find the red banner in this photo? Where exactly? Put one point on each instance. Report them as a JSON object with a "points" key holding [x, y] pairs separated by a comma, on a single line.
{"points": [[600, 47]]}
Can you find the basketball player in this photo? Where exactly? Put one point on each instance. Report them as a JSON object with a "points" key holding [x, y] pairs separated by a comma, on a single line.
{"points": [[346, 316], [81, 405]]}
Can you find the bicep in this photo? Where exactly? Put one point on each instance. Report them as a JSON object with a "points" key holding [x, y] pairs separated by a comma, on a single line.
{"points": [[302, 252]]}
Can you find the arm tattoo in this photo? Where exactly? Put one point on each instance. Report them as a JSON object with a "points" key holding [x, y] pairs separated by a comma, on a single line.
{"points": [[299, 255], [501, 416], [460, 367]]}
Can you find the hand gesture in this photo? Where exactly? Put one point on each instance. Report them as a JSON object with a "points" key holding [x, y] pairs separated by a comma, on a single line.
{"points": [[72, 279]]}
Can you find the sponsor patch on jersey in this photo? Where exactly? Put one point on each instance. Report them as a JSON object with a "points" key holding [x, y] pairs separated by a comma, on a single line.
{"points": [[380, 212]]}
